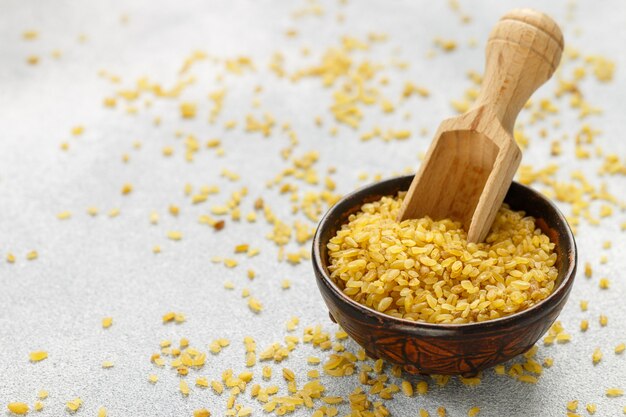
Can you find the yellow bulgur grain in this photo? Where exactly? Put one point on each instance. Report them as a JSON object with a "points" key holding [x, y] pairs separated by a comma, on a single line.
{"points": [[597, 356], [473, 412], [572, 405], [255, 305], [64, 215], [407, 388], [18, 408], [184, 387], [38, 355], [422, 387], [74, 405], [614, 392], [425, 270]]}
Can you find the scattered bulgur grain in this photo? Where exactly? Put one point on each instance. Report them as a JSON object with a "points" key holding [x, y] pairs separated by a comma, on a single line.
{"points": [[64, 215], [255, 305], [604, 320], [473, 412], [422, 387], [74, 405], [38, 355], [18, 408], [183, 387], [614, 392], [597, 356]]}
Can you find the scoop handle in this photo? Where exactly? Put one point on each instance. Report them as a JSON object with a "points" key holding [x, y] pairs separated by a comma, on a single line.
{"points": [[523, 51]]}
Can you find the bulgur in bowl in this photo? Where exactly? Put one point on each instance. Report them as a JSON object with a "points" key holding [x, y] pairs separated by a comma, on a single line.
{"points": [[420, 346]]}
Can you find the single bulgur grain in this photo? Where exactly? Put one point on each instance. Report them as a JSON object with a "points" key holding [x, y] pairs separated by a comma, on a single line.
{"points": [[597, 356], [18, 408], [74, 405], [473, 412], [255, 305], [183, 387], [422, 387], [38, 355], [64, 215], [614, 392]]}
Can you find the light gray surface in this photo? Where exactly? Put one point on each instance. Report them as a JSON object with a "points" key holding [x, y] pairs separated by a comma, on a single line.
{"points": [[89, 268]]}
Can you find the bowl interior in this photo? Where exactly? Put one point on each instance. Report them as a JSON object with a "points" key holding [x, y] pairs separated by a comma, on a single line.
{"points": [[519, 197]]}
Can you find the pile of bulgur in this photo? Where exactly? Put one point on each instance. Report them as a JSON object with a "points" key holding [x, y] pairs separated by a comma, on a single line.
{"points": [[425, 270]]}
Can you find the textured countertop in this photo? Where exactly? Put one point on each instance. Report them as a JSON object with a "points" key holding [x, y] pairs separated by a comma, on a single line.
{"points": [[90, 267]]}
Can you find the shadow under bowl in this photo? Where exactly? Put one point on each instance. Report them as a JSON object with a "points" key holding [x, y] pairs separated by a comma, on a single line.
{"points": [[427, 348]]}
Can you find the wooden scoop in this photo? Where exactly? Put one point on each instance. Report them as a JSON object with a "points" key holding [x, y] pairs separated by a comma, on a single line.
{"points": [[473, 158]]}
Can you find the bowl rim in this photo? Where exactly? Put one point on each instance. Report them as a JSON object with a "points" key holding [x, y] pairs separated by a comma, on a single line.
{"points": [[546, 304]]}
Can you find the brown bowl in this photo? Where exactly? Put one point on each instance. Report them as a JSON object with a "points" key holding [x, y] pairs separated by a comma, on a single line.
{"points": [[428, 348]]}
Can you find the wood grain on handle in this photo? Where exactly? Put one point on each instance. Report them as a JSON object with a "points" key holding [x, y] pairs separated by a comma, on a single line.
{"points": [[523, 51], [473, 158]]}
